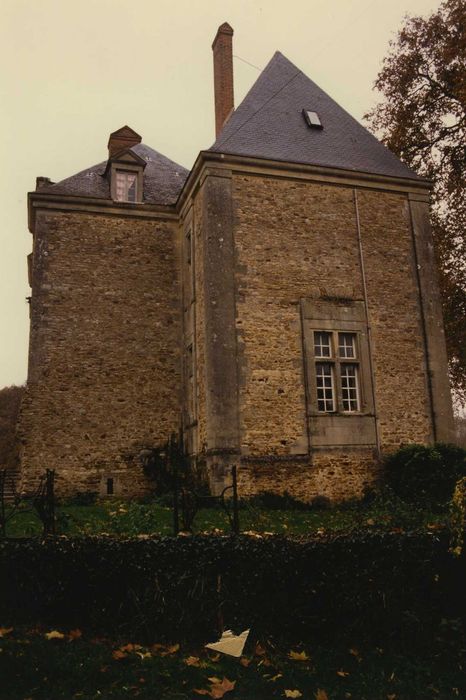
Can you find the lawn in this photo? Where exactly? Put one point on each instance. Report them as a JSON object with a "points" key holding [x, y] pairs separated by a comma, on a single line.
{"points": [[77, 666], [129, 518]]}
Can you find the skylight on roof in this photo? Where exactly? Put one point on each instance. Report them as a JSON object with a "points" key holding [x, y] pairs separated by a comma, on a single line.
{"points": [[312, 119]]}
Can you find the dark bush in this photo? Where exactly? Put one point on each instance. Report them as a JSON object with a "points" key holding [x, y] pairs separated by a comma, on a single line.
{"points": [[425, 474], [321, 503], [274, 501], [374, 585], [83, 498]]}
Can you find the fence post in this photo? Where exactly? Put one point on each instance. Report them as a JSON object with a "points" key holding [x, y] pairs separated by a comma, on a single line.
{"points": [[2, 502], [174, 465], [235, 501], [49, 523]]}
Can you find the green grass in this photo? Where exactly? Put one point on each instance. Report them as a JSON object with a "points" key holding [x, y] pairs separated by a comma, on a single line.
{"points": [[33, 667], [124, 518]]}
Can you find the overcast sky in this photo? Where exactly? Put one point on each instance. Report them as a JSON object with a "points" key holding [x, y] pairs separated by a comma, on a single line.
{"points": [[75, 70]]}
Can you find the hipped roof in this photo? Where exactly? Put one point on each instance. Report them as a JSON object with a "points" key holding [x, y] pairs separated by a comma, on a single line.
{"points": [[269, 124], [163, 179]]}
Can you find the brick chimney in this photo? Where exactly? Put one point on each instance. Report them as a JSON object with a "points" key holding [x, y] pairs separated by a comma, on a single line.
{"points": [[223, 75], [121, 139]]}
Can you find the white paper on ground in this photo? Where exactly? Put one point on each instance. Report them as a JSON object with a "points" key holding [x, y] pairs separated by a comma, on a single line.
{"points": [[230, 643]]}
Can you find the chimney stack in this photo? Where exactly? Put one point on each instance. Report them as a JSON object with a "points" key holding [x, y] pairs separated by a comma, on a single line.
{"points": [[223, 75], [121, 139]]}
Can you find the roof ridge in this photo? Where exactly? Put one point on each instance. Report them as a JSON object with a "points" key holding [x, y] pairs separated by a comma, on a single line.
{"points": [[276, 55]]}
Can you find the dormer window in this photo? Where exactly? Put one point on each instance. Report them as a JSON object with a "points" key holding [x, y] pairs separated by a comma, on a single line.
{"points": [[126, 186], [125, 166]]}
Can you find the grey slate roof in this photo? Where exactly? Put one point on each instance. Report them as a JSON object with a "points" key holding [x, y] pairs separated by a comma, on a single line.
{"points": [[163, 179], [269, 124]]}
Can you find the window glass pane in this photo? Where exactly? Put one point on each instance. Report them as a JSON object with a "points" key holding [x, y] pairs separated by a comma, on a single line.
{"points": [[126, 186], [347, 344], [325, 387], [350, 387], [322, 344], [131, 188]]}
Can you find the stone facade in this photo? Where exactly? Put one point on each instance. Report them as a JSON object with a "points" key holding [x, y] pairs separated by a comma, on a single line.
{"points": [[104, 376], [298, 243]]}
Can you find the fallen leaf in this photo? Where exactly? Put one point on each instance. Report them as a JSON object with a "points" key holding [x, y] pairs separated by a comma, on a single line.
{"points": [[74, 634], [5, 630], [298, 656], [170, 650], [259, 650], [117, 654], [321, 694], [201, 691], [342, 673], [192, 661], [275, 678], [370, 521], [144, 655], [214, 658], [130, 647], [245, 661], [54, 634], [354, 652], [219, 689], [214, 680], [293, 694], [392, 696]]}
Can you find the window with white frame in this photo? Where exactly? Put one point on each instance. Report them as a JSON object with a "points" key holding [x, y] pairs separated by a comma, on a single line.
{"points": [[337, 378], [126, 186]]}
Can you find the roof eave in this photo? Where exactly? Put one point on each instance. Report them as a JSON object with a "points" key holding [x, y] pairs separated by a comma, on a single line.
{"points": [[81, 203], [402, 183]]}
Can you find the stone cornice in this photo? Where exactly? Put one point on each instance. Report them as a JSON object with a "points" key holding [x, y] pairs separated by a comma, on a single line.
{"points": [[246, 165], [92, 205]]}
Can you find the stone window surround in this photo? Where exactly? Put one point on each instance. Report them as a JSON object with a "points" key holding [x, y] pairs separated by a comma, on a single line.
{"points": [[124, 166], [338, 428]]}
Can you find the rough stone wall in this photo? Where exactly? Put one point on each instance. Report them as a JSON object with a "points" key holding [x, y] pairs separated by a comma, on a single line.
{"points": [[338, 475], [395, 318], [293, 240], [300, 239], [104, 373], [200, 323]]}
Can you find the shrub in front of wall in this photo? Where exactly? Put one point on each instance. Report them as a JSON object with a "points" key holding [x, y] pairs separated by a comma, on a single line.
{"points": [[178, 588], [458, 518], [425, 474], [268, 500]]}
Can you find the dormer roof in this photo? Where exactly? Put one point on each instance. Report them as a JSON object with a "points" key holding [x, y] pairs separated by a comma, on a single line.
{"points": [[270, 124]]}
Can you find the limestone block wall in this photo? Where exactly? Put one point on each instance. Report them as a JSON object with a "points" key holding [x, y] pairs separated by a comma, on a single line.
{"points": [[104, 367]]}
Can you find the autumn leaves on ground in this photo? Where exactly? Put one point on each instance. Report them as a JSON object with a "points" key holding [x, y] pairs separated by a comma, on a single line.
{"points": [[49, 664]]}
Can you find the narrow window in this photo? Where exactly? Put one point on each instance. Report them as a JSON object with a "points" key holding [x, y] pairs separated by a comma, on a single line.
{"points": [[110, 487], [347, 345], [188, 247], [325, 387], [349, 387], [322, 344], [126, 186]]}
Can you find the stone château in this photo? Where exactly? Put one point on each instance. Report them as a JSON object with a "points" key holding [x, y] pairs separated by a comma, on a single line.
{"points": [[279, 302]]}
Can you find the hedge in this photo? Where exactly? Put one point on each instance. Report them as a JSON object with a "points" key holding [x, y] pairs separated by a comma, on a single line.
{"points": [[170, 588]]}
